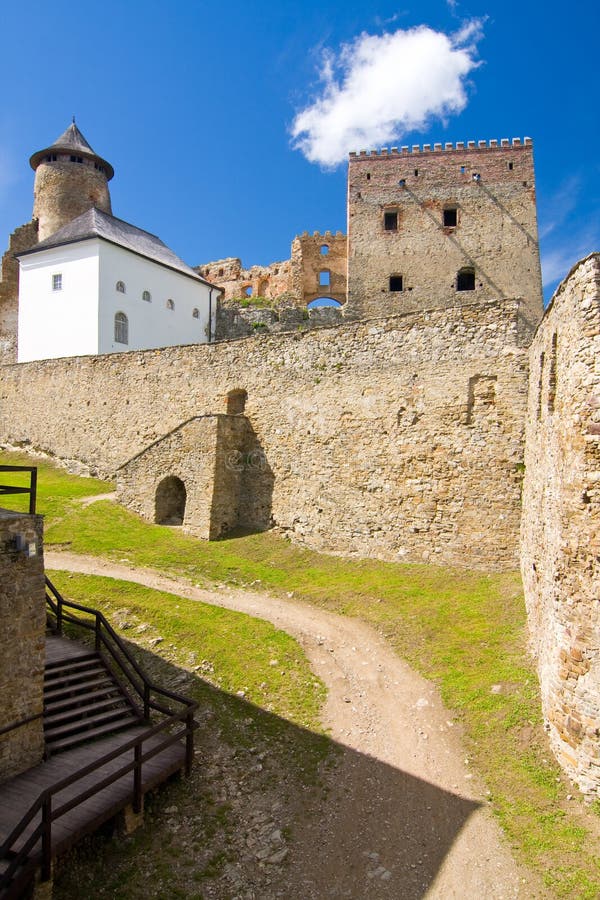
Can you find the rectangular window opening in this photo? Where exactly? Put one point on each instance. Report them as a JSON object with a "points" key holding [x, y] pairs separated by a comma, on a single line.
{"points": [[450, 217], [324, 278], [390, 221], [396, 284], [57, 282]]}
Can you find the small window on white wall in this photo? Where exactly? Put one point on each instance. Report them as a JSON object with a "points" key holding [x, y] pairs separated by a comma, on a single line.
{"points": [[121, 328], [120, 286], [57, 282], [196, 313], [146, 295], [170, 304]]}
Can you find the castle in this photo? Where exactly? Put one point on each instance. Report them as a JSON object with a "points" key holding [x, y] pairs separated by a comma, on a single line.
{"points": [[435, 414]]}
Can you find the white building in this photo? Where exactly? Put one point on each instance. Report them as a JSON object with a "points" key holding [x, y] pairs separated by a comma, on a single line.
{"points": [[101, 285]]}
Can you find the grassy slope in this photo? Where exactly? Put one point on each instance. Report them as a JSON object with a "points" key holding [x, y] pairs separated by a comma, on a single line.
{"points": [[464, 630]]}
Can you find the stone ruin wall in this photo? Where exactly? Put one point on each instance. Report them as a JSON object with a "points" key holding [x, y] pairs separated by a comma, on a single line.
{"points": [[288, 287], [22, 238], [561, 520], [398, 438], [495, 233], [262, 281], [22, 645]]}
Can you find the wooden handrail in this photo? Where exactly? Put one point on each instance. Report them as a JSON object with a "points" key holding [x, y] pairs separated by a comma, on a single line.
{"points": [[14, 489], [183, 717]]}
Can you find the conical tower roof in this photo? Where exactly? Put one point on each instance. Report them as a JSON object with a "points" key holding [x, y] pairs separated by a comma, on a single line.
{"points": [[72, 141]]}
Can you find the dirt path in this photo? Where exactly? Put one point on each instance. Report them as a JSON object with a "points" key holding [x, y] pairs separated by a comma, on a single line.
{"points": [[405, 818]]}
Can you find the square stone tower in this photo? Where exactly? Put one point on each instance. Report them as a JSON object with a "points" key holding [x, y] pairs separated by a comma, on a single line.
{"points": [[441, 226]]}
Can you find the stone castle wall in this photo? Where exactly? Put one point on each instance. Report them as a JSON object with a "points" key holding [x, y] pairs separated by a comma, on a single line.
{"points": [[397, 205], [399, 438], [22, 645], [238, 283], [561, 520], [316, 253], [22, 238]]}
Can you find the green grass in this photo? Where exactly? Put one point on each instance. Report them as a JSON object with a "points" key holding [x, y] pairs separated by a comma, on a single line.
{"points": [[232, 651], [464, 630], [57, 491]]}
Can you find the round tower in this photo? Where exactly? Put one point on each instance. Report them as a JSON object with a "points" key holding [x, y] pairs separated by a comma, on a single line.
{"points": [[69, 179]]}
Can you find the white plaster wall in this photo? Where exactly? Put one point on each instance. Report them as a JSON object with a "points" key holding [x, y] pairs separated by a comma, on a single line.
{"points": [[53, 324], [151, 324]]}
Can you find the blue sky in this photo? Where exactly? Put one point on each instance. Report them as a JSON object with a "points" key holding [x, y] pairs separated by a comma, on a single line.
{"points": [[195, 105]]}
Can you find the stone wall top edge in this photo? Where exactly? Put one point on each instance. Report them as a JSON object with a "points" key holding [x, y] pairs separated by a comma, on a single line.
{"points": [[424, 316], [448, 147], [563, 286]]}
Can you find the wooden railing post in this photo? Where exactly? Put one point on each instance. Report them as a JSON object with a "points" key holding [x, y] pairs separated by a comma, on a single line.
{"points": [[46, 872], [98, 642], [32, 491], [137, 779], [59, 616], [189, 741]]}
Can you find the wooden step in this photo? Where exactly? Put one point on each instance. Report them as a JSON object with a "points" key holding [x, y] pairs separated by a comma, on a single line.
{"points": [[74, 663], [53, 716], [63, 693], [55, 732], [91, 735], [73, 702], [66, 677]]}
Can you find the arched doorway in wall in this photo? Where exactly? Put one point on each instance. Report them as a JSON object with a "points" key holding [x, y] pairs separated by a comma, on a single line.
{"points": [[324, 301], [169, 502]]}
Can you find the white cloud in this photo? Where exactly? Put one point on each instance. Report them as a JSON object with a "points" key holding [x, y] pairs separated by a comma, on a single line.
{"points": [[378, 88]]}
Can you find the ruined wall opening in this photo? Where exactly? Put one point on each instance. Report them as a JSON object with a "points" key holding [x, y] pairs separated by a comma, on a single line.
{"points": [[236, 402], [324, 301], [552, 375], [169, 503], [465, 280]]}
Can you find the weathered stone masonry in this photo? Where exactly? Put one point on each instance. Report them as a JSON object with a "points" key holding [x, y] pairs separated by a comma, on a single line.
{"points": [[22, 625], [399, 438], [561, 519]]}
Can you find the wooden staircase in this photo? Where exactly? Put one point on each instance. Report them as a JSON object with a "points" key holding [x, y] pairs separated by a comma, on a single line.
{"points": [[83, 701], [111, 735]]}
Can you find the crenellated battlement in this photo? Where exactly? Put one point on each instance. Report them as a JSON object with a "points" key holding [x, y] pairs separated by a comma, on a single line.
{"points": [[448, 147]]}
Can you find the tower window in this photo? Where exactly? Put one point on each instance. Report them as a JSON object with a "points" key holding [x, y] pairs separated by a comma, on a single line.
{"points": [[390, 221], [396, 283], [510, 166], [147, 296], [57, 282], [120, 287], [324, 249], [121, 328], [463, 169], [196, 313], [465, 280], [51, 157], [450, 217], [324, 278], [77, 159], [170, 304]]}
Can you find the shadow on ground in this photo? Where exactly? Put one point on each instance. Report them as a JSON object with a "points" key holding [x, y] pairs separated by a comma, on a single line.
{"points": [[271, 810]]}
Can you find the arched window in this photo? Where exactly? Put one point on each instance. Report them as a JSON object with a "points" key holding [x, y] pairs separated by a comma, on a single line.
{"points": [[196, 313], [170, 304], [324, 301], [248, 290], [120, 286], [146, 295], [465, 279], [121, 328], [324, 249]]}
